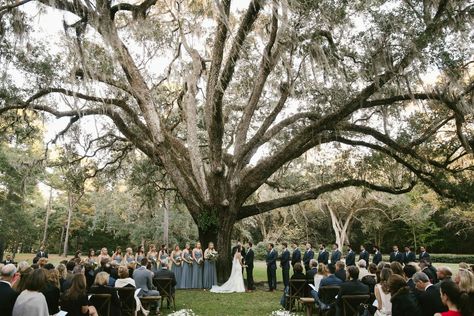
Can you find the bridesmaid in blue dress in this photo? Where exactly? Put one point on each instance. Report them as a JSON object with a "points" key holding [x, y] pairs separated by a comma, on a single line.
{"points": [[140, 254], [187, 273], [163, 254], [177, 265], [210, 272], [117, 256], [152, 256], [197, 266], [129, 257]]}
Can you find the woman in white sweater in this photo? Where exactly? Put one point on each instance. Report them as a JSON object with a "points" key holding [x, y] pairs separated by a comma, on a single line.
{"points": [[31, 301]]}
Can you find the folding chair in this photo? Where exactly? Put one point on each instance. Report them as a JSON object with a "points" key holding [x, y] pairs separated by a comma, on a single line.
{"points": [[165, 287], [352, 303], [297, 289], [101, 303], [327, 295], [128, 305]]}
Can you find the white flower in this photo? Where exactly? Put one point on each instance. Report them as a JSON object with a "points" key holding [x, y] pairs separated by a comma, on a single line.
{"points": [[282, 312], [183, 312]]}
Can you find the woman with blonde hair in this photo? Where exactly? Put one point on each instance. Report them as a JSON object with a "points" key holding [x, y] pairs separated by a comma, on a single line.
{"points": [[465, 280], [100, 286], [321, 273]]}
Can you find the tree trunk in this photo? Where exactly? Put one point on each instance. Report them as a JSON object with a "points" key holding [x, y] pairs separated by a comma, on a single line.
{"points": [[220, 235], [46, 221], [68, 224], [166, 220]]}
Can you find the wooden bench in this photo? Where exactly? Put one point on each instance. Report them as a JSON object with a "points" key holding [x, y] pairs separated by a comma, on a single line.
{"points": [[148, 300], [308, 303]]}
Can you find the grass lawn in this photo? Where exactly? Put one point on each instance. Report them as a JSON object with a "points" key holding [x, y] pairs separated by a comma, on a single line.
{"points": [[204, 303]]}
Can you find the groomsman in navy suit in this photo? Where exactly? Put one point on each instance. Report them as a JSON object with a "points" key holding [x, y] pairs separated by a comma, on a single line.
{"points": [[272, 256], [323, 256], [377, 255], [396, 255], [423, 254], [308, 255], [285, 264], [364, 254], [409, 255], [336, 254], [296, 255], [351, 257]]}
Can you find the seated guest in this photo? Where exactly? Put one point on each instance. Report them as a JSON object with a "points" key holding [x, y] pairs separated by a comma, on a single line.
{"points": [[124, 280], [100, 286], [463, 265], [165, 273], [341, 270], [51, 291], [428, 296], [351, 287], [465, 280], [70, 265], [443, 274], [362, 264], [7, 294], [62, 276], [298, 272], [320, 274], [397, 268], [144, 280], [382, 294], [89, 273], [331, 279], [459, 303], [31, 301], [313, 269], [371, 278], [74, 301], [404, 302], [409, 270], [425, 268], [106, 266], [42, 262]]}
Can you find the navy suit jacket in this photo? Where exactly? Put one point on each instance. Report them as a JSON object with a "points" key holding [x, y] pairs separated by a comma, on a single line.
{"points": [[285, 259], [409, 257], [308, 255], [330, 280], [377, 258], [430, 301], [7, 299], [350, 258], [249, 258], [364, 255], [271, 259], [323, 257], [424, 255], [352, 287], [296, 256], [396, 257], [336, 256]]}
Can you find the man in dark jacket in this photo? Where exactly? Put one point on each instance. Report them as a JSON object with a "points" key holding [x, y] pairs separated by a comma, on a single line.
{"points": [[308, 255], [350, 258], [271, 260], [409, 255], [340, 270], [164, 273], [377, 255], [285, 264], [351, 287], [296, 255], [313, 264], [323, 256], [249, 258], [424, 255], [7, 294], [364, 254], [409, 271], [336, 254], [396, 255], [428, 296]]}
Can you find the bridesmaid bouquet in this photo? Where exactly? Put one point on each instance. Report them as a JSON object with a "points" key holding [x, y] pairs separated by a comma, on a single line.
{"points": [[178, 261], [200, 261], [212, 255]]}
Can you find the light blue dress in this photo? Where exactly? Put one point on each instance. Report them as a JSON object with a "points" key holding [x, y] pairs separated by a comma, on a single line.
{"points": [[154, 264], [210, 274], [187, 273], [177, 270], [197, 271]]}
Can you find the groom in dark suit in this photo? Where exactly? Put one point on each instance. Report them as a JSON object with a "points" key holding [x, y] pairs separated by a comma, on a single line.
{"points": [[285, 264], [272, 256], [249, 257]]}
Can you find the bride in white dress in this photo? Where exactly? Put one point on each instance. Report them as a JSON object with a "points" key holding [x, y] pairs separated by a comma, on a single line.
{"points": [[236, 279]]}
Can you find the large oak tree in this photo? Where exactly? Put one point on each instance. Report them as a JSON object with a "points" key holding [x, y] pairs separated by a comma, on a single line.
{"points": [[223, 97]]}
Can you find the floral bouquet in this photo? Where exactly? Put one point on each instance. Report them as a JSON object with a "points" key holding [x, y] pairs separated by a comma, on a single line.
{"points": [[200, 261], [212, 255], [178, 261]]}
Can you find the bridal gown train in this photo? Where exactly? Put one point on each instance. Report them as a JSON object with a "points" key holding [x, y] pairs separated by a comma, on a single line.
{"points": [[235, 282]]}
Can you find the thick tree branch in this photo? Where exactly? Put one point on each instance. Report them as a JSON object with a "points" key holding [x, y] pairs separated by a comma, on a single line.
{"points": [[258, 208]]}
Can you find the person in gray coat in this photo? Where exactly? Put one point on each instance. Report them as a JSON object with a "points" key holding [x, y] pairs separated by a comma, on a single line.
{"points": [[144, 280]]}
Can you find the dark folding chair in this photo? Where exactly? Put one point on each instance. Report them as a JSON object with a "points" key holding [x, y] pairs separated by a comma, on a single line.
{"points": [[327, 295], [297, 289], [165, 287], [352, 304], [128, 305], [101, 302]]}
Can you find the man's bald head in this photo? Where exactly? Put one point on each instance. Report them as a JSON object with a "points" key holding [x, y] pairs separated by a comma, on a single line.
{"points": [[444, 273]]}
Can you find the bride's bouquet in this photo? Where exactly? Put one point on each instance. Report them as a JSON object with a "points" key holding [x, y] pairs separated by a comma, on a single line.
{"points": [[212, 255]]}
